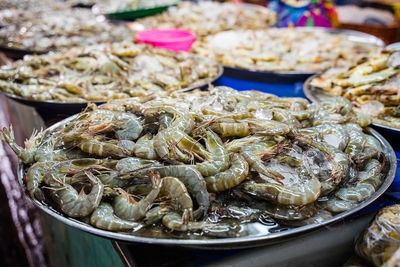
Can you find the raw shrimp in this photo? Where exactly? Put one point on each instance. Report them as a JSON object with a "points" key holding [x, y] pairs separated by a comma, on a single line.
{"points": [[173, 221], [177, 192], [340, 162], [337, 205], [237, 145], [191, 178], [366, 185], [57, 174], [290, 213], [100, 147], [218, 159], [103, 217], [76, 204], [254, 152], [232, 177], [245, 127], [125, 206], [131, 163], [182, 120], [34, 177], [356, 141], [154, 215], [111, 179], [173, 142], [176, 145], [130, 126], [144, 147], [333, 134], [286, 117], [372, 149], [304, 191], [39, 147]]}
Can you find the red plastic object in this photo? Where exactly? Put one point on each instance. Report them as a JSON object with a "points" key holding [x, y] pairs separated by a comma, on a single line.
{"points": [[171, 39]]}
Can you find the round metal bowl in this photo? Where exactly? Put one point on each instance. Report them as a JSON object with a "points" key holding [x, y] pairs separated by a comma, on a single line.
{"points": [[65, 109], [297, 76], [318, 95], [223, 243]]}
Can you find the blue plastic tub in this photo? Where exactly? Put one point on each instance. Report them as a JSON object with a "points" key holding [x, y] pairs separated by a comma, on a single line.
{"points": [[277, 83], [281, 89]]}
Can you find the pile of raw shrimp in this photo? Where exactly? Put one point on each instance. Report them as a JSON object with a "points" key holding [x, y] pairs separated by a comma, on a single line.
{"points": [[204, 162]]}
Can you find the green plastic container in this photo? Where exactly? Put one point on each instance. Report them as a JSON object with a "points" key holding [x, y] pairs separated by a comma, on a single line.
{"points": [[139, 13]]}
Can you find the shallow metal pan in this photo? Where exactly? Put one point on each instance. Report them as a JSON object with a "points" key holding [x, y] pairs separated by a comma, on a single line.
{"points": [[223, 243], [297, 76]]}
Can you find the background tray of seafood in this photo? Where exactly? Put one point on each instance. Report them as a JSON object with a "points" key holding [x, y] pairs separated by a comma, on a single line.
{"points": [[217, 169], [64, 82], [209, 17], [373, 87], [38, 31], [285, 55]]}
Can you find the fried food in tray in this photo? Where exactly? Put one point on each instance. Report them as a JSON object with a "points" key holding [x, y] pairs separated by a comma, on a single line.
{"points": [[373, 86], [45, 30], [201, 165], [104, 72], [283, 49], [210, 17]]}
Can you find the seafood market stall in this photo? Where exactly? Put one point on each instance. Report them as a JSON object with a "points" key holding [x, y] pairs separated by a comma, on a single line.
{"points": [[133, 150]]}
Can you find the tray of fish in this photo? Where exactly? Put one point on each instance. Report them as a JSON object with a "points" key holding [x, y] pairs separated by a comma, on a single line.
{"points": [[285, 55], [66, 81], [207, 169], [207, 17], [372, 86]]}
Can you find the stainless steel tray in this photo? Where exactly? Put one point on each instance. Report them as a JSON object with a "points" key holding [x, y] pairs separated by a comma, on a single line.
{"points": [[223, 243], [318, 95], [297, 76]]}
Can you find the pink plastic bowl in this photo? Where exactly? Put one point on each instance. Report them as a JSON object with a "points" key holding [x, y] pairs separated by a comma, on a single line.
{"points": [[171, 39]]}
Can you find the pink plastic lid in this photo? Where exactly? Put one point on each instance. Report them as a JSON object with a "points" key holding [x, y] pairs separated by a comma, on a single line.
{"points": [[171, 39]]}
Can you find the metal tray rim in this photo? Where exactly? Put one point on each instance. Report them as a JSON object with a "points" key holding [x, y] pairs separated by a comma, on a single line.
{"points": [[222, 243]]}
